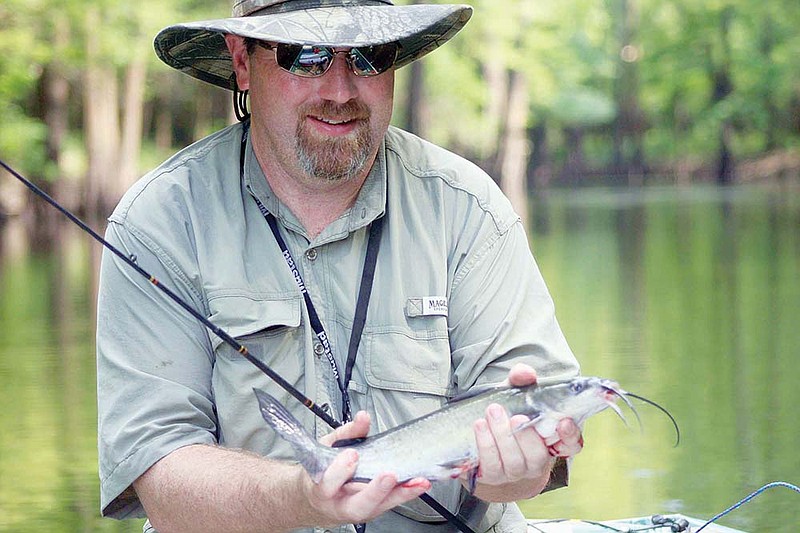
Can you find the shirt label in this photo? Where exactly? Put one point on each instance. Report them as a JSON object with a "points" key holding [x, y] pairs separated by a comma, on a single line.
{"points": [[434, 306]]}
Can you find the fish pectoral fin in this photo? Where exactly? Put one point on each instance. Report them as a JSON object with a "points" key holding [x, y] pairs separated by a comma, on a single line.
{"points": [[459, 466], [534, 419], [546, 426], [342, 443], [469, 466]]}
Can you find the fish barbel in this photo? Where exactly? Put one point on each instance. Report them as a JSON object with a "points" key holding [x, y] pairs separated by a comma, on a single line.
{"points": [[441, 444]]}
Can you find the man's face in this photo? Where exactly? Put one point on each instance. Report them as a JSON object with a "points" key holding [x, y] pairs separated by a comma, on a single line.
{"points": [[322, 129]]}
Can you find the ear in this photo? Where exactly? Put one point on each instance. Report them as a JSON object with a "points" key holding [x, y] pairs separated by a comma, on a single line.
{"points": [[241, 60]]}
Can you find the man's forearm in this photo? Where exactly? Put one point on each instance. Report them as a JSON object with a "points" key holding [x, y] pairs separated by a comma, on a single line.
{"points": [[207, 488]]}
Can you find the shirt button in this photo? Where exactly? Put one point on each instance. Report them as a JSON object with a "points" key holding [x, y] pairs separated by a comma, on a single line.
{"points": [[319, 349], [311, 255]]}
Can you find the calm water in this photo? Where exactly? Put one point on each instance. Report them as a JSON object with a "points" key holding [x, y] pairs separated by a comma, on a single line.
{"points": [[690, 297]]}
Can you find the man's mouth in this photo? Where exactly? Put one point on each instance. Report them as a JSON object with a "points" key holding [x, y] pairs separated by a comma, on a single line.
{"points": [[332, 121]]}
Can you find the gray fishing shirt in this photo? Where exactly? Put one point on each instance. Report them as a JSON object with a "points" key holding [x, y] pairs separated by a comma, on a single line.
{"points": [[457, 300]]}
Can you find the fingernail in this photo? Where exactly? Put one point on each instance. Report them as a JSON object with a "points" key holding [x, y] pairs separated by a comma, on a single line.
{"points": [[496, 412], [417, 482]]}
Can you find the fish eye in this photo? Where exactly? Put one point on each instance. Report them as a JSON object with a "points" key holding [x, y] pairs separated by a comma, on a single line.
{"points": [[576, 387]]}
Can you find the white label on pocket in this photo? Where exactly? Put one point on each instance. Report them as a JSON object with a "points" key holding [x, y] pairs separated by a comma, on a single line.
{"points": [[434, 305]]}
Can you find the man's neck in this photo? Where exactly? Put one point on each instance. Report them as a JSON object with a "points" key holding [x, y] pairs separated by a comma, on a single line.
{"points": [[315, 203], [316, 206]]}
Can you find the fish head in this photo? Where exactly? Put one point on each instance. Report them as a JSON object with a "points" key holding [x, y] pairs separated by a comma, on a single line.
{"points": [[580, 398]]}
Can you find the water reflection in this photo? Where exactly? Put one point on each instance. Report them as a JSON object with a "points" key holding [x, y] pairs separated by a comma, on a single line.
{"points": [[688, 296], [48, 470], [691, 298]]}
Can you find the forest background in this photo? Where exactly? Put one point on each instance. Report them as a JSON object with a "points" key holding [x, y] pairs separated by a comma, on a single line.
{"points": [[540, 93]]}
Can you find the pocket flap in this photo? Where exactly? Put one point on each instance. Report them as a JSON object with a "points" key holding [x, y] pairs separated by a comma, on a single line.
{"points": [[399, 363], [240, 316]]}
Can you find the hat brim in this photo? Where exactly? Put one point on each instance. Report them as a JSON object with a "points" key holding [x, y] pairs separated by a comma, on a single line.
{"points": [[198, 48]]}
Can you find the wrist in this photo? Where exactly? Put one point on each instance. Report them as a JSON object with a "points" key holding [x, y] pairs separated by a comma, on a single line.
{"points": [[308, 512]]}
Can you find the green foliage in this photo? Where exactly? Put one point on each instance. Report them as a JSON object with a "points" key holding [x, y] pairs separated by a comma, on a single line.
{"points": [[21, 135], [586, 63]]}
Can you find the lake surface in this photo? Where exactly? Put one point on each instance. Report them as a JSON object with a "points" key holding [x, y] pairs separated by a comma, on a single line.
{"points": [[690, 297]]}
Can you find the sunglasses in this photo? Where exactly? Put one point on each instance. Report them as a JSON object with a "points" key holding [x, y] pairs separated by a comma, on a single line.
{"points": [[312, 61]]}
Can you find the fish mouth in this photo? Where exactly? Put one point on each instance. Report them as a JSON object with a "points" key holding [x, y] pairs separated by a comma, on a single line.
{"points": [[611, 391]]}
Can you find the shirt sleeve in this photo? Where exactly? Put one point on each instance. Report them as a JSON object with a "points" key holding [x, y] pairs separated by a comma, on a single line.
{"points": [[147, 347], [502, 314]]}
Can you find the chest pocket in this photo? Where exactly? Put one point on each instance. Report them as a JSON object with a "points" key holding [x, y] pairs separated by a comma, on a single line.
{"points": [[242, 316], [270, 329]]}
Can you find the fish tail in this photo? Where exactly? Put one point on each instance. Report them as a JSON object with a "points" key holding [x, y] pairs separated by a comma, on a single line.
{"points": [[314, 457]]}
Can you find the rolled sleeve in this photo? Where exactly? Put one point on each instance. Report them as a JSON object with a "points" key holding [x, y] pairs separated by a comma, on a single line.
{"points": [[147, 347], [505, 315]]}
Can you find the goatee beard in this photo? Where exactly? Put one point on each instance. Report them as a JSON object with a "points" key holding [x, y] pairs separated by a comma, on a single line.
{"points": [[339, 158]]}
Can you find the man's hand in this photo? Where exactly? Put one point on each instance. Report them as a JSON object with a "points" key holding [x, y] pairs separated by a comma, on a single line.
{"points": [[345, 502], [515, 464]]}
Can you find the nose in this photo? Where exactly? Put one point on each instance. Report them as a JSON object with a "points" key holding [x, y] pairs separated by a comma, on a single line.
{"points": [[338, 83]]}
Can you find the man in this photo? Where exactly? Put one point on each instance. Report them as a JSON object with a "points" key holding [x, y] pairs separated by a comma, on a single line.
{"points": [[270, 228]]}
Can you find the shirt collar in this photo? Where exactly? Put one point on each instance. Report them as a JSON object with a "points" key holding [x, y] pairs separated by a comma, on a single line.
{"points": [[369, 205]]}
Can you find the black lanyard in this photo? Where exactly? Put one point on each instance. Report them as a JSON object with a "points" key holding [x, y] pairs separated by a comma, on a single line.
{"points": [[362, 303]]}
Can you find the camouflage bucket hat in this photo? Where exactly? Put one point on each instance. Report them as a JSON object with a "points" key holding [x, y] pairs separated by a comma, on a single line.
{"points": [[198, 48]]}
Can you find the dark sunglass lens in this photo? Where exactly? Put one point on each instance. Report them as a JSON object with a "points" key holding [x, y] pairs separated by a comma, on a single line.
{"points": [[372, 60], [308, 61]]}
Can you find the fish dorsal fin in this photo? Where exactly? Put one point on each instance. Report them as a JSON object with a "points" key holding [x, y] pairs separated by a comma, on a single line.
{"points": [[475, 391], [343, 443]]}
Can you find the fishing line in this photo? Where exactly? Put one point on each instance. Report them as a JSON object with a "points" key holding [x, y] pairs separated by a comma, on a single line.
{"points": [[749, 497], [216, 330], [677, 524]]}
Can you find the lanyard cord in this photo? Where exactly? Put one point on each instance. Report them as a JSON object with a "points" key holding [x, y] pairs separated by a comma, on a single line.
{"points": [[362, 304]]}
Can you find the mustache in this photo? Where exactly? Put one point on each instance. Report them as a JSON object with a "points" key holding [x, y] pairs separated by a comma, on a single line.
{"points": [[350, 110]]}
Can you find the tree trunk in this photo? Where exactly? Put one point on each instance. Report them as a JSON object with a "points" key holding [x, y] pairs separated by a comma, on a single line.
{"points": [[723, 87], [776, 124], [132, 120], [415, 112], [56, 93], [629, 124], [54, 101], [540, 166], [515, 146], [575, 165], [101, 122], [163, 125], [202, 116], [496, 77]]}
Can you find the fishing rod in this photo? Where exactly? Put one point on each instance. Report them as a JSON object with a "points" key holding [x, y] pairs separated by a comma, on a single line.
{"points": [[222, 334], [216, 330]]}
